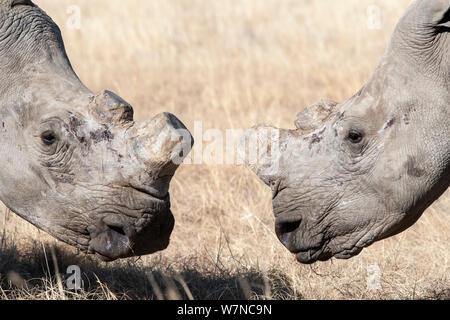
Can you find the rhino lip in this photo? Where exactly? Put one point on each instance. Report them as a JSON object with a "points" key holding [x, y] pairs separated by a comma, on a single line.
{"points": [[309, 256], [111, 243], [114, 236], [286, 229]]}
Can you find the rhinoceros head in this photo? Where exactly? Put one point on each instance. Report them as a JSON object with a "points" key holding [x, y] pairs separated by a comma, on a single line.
{"points": [[365, 169], [74, 163]]}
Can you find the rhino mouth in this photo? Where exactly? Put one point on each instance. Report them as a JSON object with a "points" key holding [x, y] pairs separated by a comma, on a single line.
{"points": [[132, 233], [307, 249], [110, 242], [322, 254], [312, 255]]}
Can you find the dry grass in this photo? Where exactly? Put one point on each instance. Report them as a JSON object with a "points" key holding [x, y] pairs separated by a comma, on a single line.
{"points": [[229, 64]]}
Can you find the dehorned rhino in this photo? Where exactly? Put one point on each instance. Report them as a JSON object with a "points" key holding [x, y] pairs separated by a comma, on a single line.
{"points": [[359, 171], [73, 163]]}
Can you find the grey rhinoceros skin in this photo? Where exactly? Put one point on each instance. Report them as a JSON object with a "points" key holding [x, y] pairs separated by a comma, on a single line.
{"points": [[359, 171], [73, 163]]}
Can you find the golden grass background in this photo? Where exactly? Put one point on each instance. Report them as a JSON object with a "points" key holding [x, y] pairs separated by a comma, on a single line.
{"points": [[229, 64]]}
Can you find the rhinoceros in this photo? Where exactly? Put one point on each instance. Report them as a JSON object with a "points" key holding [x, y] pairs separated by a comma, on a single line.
{"points": [[74, 163], [365, 169]]}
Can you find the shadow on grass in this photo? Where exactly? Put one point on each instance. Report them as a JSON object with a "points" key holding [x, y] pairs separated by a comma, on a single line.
{"points": [[32, 276]]}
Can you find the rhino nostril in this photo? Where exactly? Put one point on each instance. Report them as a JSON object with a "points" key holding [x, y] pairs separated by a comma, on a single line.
{"points": [[119, 230], [285, 230], [288, 227]]}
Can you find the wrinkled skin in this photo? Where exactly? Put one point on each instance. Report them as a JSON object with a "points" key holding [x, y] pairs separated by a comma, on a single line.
{"points": [[73, 163], [365, 169]]}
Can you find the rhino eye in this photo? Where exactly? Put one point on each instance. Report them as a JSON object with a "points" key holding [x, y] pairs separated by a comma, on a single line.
{"points": [[355, 136], [48, 137]]}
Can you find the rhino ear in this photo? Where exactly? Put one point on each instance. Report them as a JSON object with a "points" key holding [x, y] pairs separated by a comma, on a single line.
{"points": [[313, 117], [445, 22]]}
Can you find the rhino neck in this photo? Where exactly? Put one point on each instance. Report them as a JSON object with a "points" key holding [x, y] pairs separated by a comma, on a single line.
{"points": [[422, 40], [414, 72], [35, 53], [425, 50]]}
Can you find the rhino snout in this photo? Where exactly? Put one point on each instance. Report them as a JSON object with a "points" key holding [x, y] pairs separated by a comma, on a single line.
{"points": [[119, 236]]}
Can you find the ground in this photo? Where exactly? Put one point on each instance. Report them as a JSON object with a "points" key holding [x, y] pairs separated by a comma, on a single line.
{"points": [[227, 65]]}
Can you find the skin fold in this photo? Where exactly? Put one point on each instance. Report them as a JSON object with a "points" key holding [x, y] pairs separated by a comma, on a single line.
{"points": [[365, 169], [75, 163]]}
